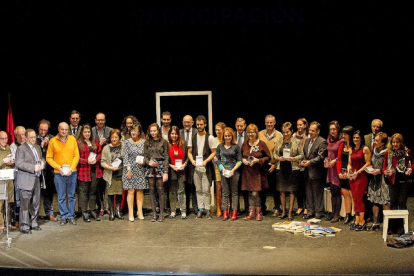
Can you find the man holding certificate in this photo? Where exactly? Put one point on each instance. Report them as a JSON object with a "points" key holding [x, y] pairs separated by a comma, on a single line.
{"points": [[63, 155]]}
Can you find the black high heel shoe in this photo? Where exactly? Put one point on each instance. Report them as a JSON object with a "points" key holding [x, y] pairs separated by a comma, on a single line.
{"points": [[374, 227], [299, 213], [283, 216], [360, 227]]}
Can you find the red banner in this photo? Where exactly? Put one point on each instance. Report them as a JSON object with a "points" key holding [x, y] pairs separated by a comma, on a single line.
{"points": [[10, 125]]}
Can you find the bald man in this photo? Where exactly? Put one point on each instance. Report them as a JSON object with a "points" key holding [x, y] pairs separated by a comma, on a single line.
{"points": [[63, 155]]}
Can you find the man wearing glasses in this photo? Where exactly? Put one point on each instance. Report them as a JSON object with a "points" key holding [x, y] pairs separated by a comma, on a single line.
{"points": [[74, 128]]}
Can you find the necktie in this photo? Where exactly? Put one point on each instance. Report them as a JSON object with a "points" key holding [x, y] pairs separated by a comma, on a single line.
{"points": [[38, 162], [187, 133], [310, 146], [239, 140], [74, 131]]}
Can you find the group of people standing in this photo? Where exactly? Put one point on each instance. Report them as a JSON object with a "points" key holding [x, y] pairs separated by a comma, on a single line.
{"points": [[107, 165]]}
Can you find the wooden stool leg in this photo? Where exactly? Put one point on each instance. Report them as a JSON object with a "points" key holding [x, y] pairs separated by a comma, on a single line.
{"points": [[385, 228], [406, 224]]}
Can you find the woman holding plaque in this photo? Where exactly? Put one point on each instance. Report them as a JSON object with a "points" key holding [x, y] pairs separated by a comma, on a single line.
{"points": [[111, 162], [378, 190], [228, 154], [359, 159], [255, 157], [288, 152], [156, 158], [89, 171], [178, 161], [133, 177], [334, 141], [398, 167]]}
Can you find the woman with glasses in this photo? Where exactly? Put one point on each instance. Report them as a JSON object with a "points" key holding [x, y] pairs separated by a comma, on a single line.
{"points": [[255, 157]]}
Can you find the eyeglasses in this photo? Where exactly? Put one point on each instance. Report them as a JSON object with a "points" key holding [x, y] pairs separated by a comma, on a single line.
{"points": [[251, 133], [5, 138]]}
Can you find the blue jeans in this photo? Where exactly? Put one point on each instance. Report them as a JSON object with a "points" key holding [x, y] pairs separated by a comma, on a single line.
{"points": [[66, 186]]}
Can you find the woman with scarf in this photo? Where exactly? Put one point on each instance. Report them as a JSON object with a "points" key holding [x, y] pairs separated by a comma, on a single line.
{"points": [[378, 191], [398, 166]]}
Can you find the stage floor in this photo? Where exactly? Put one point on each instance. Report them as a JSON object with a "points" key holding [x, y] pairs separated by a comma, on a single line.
{"points": [[198, 246]]}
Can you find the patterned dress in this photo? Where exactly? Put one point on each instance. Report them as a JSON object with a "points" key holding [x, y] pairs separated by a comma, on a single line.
{"points": [[131, 151]]}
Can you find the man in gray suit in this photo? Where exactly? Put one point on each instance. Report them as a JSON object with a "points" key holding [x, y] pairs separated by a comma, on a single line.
{"points": [[315, 152], [29, 165], [101, 132]]}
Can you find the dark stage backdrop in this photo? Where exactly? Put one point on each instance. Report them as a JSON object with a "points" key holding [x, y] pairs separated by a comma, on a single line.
{"points": [[322, 60]]}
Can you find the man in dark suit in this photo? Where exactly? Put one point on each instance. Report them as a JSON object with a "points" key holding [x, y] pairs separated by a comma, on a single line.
{"points": [[74, 128], [29, 165], [240, 126], [187, 133], [315, 151], [48, 190]]}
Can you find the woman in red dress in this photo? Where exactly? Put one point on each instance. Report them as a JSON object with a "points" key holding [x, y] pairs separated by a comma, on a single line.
{"points": [[359, 159]]}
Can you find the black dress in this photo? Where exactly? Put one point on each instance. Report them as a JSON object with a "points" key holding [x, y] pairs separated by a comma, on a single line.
{"points": [[344, 183], [288, 180]]}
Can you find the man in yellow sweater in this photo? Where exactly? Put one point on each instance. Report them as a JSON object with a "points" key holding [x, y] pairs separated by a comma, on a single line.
{"points": [[63, 155]]}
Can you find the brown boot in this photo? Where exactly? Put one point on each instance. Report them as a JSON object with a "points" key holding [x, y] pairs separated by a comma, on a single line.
{"points": [[259, 215], [218, 198], [251, 214]]}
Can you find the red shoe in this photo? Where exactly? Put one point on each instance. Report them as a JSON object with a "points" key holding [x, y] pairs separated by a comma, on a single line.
{"points": [[101, 213], [233, 215], [225, 215]]}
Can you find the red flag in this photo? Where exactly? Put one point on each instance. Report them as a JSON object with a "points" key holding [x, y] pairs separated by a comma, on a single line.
{"points": [[10, 125]]}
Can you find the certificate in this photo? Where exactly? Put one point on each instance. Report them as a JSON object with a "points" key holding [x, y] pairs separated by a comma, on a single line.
{"points": [[178, 163], [116, 163], [139, 159], [65, 169], [199, 161], [92, 156], [286, 153]]}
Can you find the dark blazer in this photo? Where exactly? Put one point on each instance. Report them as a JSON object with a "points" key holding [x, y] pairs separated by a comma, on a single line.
{"points": [[316, 156], [78, 131], [25, 165]]}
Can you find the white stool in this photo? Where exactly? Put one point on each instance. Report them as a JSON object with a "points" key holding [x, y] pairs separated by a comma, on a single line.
{"points": [[391, 214]]}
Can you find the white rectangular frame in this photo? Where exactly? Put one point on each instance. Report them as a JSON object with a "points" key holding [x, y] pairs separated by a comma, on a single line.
{"points": [[158, 96]]}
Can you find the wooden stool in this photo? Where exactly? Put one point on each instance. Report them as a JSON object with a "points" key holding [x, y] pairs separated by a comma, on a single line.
{"points": [[391, 214]]}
